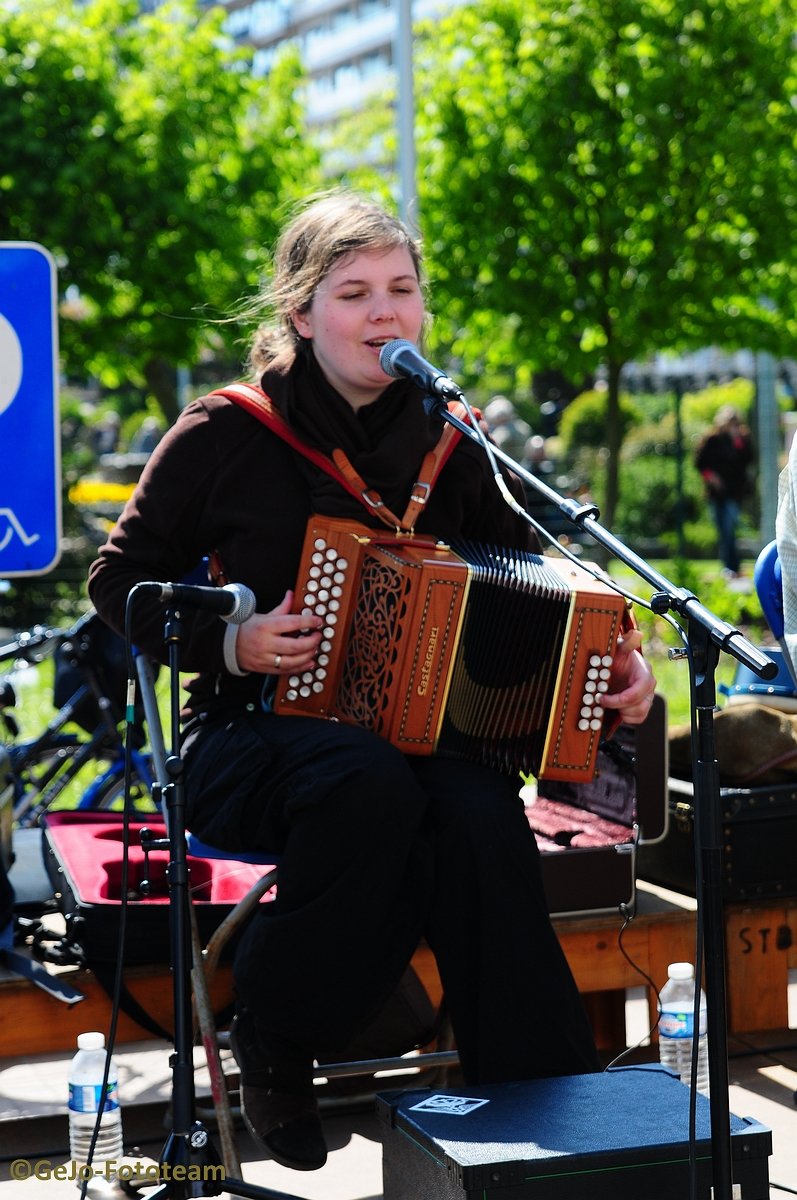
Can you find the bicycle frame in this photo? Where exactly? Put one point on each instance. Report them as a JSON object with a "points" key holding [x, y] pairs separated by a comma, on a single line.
{"points": [[63, 755], [64, 766]]}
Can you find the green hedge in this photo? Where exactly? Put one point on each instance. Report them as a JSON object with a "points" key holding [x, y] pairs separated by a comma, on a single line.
{"points": [[653, 506]]}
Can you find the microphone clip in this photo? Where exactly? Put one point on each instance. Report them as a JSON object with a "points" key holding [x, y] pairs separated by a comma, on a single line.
{"points": [[434, 404]]}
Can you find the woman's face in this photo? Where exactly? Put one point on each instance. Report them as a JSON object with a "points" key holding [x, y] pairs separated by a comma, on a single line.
{"points": [[366, 300]]}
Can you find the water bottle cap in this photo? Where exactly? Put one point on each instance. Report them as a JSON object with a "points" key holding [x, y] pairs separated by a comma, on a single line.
{"points": [[681, 971], [91, 1041]]}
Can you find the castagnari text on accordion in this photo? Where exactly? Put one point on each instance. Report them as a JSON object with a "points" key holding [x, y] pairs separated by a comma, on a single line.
{"points": [[496, 656]]}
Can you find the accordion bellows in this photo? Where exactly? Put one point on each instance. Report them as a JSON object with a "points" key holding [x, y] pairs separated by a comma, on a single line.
{"points": [[491, 655]]}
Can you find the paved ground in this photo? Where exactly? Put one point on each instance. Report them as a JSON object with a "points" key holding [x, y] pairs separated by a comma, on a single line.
{"points": [[33, 1125]]}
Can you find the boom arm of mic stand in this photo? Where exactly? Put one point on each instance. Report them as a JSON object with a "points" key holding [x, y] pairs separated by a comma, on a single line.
{"points": [[706, 635], [585, 516]]}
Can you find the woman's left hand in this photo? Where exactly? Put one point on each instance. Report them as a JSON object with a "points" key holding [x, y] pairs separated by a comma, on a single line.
{"points": [[632, 683]]}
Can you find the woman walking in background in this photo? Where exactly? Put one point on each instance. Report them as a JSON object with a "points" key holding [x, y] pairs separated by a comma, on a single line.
{"points": [[723, 458]]}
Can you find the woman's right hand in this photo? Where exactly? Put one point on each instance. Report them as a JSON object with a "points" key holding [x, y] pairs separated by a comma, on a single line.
{"points": [[278, 642]]}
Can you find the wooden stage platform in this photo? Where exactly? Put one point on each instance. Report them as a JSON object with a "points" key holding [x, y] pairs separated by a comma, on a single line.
{"points": [[760, 940]]}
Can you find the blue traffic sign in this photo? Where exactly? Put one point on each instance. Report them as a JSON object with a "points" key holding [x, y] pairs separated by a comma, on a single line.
{"points": [[30, 444]]}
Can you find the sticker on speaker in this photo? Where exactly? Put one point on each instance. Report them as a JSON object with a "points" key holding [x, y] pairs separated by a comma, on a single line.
{"points": [[452, 1106]]}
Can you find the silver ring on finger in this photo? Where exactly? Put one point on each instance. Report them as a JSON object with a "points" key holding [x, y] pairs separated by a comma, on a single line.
{"points": [[277, 660]]}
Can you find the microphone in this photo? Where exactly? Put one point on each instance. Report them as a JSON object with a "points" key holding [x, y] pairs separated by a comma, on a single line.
{"points": [[233, 602], [402, 359]]}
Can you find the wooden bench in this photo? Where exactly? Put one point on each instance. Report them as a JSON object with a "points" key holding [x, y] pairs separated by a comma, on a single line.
{"points": [[761, 949]]}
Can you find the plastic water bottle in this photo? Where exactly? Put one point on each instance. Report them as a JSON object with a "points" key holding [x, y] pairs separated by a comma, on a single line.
{"points": [[677, 1026], [85, 1098]]}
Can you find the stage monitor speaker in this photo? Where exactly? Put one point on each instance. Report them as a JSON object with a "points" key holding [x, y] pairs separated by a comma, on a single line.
{"points": [[618, 1135]]}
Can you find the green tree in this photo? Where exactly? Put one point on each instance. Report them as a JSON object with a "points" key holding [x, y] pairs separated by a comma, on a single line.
{"points": [[608, 177], [141, 151]]}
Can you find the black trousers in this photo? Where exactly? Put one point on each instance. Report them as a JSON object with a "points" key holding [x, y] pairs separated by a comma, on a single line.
{"points": [[378, 850]]}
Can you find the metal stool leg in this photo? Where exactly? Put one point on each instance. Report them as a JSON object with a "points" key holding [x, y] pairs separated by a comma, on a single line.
{"points": [[207, 1026], [205, 962]]}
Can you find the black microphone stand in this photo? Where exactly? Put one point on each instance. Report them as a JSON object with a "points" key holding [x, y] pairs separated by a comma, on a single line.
{"points": [[189, 1164], [706, 635]]}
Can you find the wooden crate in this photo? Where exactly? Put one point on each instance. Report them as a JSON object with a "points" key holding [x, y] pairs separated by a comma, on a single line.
{"points": [[761, 949]]}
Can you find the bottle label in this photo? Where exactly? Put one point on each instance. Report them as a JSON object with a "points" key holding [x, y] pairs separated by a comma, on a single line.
{"points": [[86, 1097], [681, 1024]]}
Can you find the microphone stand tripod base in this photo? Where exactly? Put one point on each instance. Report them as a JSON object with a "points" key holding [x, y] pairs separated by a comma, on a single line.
{"points": [[189, 1166]]}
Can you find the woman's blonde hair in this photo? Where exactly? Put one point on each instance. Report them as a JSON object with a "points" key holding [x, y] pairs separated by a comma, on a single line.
{"points": [[328, 228]]}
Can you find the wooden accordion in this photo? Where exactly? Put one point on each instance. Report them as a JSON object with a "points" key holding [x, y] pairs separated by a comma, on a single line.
{"points": [[495, 656]]}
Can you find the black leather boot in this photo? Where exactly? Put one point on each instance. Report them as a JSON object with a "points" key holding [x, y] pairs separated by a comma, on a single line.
{"points": [[277, 1097]]}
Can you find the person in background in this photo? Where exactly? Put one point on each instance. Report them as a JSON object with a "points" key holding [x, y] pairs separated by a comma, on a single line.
{"points": [[509, 431], [146, 437], [723, 458], [378, 849], [105, 437], [786, 540]]}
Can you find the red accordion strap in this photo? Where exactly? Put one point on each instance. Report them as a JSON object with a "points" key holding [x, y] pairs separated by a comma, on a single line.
{"points": [[256, 402]]}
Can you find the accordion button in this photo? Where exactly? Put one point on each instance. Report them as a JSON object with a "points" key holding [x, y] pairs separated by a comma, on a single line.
{"points": [[319, 544], [304, 692], [596, 724], [590, 686], [594, 660], [586, 711], [314, 572], [312, 585], [320, 673], [325, 647], [329, 632], [294, 681], [583, 725], [323, 595], [309, 600], [603, 686], [318, 687], [592, 673], [323, 660], [339, 577], [307, 677], [607, 660], [291, 694], [334, 605]]}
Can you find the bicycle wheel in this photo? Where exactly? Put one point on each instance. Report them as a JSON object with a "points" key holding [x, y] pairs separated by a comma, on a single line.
{"points": [[65, 773], [107, 793]]}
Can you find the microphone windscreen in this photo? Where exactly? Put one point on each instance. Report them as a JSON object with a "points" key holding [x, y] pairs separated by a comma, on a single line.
{"points": [[389, 353]]}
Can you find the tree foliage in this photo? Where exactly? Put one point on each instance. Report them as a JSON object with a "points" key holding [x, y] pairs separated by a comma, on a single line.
{"points": [[610, 177], [141, 151]]}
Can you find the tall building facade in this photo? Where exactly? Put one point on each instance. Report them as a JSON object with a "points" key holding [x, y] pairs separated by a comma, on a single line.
{"points": [[347, 47]]}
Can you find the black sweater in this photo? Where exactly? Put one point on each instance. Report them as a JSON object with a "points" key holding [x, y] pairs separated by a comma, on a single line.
{"points": [[221, 481]]}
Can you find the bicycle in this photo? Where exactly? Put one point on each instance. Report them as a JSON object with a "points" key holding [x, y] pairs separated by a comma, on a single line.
{"points": [[89, 691]]}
